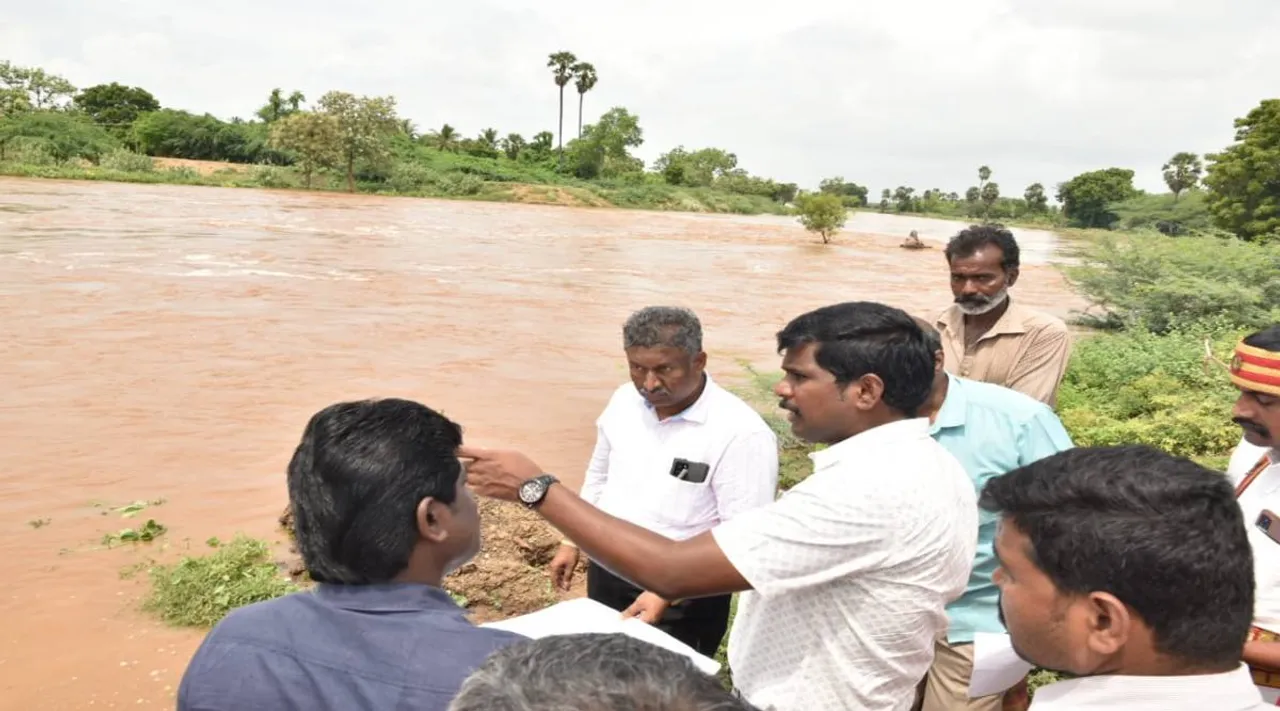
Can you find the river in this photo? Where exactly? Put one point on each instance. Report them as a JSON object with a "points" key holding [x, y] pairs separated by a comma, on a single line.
{"points": [[168, 342]]}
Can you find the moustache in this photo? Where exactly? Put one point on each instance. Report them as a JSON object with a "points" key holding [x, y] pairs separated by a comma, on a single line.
{"points": [[973, 300], [660, 392], [1252, 426], [783, 404]]}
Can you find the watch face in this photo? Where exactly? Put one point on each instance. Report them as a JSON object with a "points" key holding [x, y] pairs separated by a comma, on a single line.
{"points": [[531, 491]]}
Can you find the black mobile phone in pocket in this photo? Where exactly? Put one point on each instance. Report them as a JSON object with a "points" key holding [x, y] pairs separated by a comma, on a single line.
{"points": [[692, 472]]}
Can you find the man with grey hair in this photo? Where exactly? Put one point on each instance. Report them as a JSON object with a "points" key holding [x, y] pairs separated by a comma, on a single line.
{"points": [[677, 454], [591, 672]]}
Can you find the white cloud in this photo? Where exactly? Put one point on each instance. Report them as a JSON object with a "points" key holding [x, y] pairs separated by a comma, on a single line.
{"points": [[918, 92]]}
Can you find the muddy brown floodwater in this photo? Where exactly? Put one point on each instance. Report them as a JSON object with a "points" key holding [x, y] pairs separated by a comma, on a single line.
{"points": [[171, 342]]}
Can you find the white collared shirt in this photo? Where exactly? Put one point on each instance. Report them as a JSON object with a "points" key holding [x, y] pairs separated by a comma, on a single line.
{"points": [[1263, 493], [851, 571], [630, 471], [1230, 691]]}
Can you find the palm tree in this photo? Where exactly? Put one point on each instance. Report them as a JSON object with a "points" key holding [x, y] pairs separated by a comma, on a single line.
{"points": [[561, 64], [274, 108], [489, 137], [444, 139], [585, 79], [408, 128], [296, 100]]}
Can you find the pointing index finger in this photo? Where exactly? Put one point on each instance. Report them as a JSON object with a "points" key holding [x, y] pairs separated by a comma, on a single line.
{"points": [[474, 453]]}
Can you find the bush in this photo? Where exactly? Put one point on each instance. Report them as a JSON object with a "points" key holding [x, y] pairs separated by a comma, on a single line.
{"points": [[410, 177], [458, 184], [200, 591], [1137, 387], [29, 151], [66, 136], [1165, 283], [269, 176], [127, 161]]}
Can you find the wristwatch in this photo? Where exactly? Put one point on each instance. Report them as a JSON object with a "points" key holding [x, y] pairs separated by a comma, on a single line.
{"points": [[534, 490]]}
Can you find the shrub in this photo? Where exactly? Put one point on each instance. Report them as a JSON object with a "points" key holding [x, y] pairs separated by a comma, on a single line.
{"points": [[1166, 283], [458, 184], [198, 591], [29, 151], [269, 176], [126, 160], [66, 136], [410, 177], [1136, 387]]}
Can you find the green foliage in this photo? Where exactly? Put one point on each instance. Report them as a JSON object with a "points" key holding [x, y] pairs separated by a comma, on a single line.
{"points": [[602, 150], [179, 134], [1035, 198], [365, 127], [200, 591], [270, 176], [694, 169], [116, 106], [1086, 197], [1161, 283], [126, 160], [1165, 213], [278, 106], [21, 150], [65, 136], [822, 213], [1137, 387], [40, 89], [314, 138], [852, 194], [1182, 172], [145, 533], [1244, 179]]}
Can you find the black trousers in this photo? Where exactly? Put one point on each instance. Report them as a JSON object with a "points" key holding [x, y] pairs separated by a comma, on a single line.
{"points": [[699, 623]]}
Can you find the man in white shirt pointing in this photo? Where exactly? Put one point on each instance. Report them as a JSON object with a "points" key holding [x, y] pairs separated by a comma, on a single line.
{"points": [[677, 454], [846, 576]]}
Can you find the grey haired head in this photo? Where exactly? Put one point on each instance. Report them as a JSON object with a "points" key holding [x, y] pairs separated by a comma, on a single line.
{"points": [[656, 326], [591, 672]]}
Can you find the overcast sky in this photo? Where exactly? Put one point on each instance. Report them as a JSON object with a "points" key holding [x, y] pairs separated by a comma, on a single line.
{"points": [[914, 92]]}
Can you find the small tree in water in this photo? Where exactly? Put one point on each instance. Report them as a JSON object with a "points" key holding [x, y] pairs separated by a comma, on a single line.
{"points": [[822, 213]]}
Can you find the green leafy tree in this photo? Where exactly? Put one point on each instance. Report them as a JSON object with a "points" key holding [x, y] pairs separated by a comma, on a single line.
{"points": [[513, 145], [989, 195], [1244, 179], [822, 213], [1182, 172], [365, 127], [314, 138], [13, 102], [602, 150], [43, 90], [698, 168], [444, 139], [115, 106], [885, 196], [584, 78], [1037, 201], [561, 65], [852, 194], [984, 174], [540, 147], [278, 105], [904, 199], [180, 134], [1086, 197]]}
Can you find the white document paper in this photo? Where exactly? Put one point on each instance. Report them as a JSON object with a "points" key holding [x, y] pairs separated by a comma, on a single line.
{"points": [[585, 616], [996, 667]]}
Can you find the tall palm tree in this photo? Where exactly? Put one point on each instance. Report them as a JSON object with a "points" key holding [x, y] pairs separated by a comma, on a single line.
{"points": [[561, 64], [584, 76], [296, 100]]}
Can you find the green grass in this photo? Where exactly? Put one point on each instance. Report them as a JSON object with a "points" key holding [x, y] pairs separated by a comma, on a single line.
{"points": [[198, 591]]}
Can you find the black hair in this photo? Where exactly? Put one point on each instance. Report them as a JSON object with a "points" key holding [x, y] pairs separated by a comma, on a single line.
{"points": [[1161, 533], [975, 237], [355, 482], [860, 337], [1268, 339]]}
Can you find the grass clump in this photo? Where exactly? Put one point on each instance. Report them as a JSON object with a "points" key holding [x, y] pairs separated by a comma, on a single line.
{"points": [[198, 591]]}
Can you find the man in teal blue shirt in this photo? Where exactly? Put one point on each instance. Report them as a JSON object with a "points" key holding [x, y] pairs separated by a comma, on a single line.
{"points": [[991, 430]]}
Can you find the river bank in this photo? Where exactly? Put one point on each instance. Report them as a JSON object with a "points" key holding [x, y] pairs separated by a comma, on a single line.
{"points": [[570, 193]]}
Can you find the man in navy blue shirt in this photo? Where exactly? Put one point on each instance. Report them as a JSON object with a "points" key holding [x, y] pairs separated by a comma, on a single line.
{"points": [[382, 514]]}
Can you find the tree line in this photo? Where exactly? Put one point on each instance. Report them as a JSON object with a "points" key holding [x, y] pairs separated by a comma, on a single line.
{"points": [[1237, 189]]}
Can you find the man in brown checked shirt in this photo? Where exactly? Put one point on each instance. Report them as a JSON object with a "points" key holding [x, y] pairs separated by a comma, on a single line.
{"points": [[985, 335]]}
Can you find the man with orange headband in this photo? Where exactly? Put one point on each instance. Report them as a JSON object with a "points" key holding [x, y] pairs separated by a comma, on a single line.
{"points": [[1255, 371]]}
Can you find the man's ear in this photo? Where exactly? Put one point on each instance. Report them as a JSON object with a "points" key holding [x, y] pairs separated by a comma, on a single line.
{"points": [[700, 360], [870, 391], [1011, 276], [432, 518], [1110, 622]]}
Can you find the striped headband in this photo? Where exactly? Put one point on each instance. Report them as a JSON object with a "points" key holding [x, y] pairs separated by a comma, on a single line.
{"points": [[1256, 369]]}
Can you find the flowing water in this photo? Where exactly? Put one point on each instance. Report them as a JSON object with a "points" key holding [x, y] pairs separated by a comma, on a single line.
{"points": [[165, 342]]}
